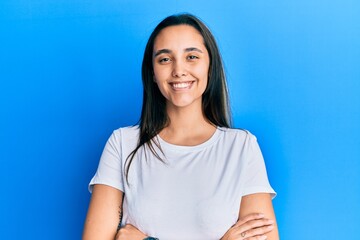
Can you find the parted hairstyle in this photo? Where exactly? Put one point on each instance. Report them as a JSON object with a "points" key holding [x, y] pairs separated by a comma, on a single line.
{"points": [[215, 104]]}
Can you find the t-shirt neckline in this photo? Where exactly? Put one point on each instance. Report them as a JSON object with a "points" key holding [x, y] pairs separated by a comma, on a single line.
{"points": [[203, 145]]}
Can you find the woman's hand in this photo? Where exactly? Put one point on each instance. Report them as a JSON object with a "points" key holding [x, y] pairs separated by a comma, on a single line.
{"points": [[129, 232], [251, 227]]}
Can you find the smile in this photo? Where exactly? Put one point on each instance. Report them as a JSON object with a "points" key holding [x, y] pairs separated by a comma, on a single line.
{"points": [[181, 85]]}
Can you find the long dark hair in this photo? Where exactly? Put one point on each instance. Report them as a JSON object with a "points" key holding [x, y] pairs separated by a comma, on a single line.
{"points": [[215, 105]]}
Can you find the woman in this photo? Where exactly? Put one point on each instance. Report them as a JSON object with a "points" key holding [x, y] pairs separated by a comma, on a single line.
{"points": [[183, 173]]}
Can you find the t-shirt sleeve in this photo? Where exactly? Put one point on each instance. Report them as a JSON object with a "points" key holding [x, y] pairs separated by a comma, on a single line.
{"points": [[256, 179], [110, 170]]}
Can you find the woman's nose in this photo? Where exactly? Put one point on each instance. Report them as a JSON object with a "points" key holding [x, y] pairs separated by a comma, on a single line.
{"points": [[179, 69]]}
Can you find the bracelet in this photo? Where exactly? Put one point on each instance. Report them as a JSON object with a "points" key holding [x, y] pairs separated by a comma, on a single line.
{"points": [[150, 238]]}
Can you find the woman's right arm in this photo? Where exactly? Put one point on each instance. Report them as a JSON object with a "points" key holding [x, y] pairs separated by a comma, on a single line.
{"points": [[104, 213]]}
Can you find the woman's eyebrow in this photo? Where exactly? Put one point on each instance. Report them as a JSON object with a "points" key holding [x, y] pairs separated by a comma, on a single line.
{"points": [[157, 53], [190, 49]]}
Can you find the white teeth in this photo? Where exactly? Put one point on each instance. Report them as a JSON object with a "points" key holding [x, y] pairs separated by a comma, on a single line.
{"points": [[181, 85]]}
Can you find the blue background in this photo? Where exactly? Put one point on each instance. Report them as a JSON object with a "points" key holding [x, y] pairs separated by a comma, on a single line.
{"points": [[70, 74]]}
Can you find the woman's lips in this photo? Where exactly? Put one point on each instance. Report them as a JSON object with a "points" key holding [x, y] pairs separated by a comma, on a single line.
{"points": [[181, 85]]}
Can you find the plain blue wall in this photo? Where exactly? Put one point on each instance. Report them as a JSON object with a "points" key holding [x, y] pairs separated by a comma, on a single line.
{"points": [[70, 74]]}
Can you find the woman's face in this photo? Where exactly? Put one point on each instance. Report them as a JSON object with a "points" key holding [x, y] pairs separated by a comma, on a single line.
{"points": [[181, 65]]}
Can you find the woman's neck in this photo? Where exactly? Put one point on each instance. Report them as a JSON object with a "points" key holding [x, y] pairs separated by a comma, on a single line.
{"points": [[188, 126]]}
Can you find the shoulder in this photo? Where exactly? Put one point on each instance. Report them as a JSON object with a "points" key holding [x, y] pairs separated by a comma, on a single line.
{"points": [[123, 139], [128, 132], [238, 138], [237, 133]]}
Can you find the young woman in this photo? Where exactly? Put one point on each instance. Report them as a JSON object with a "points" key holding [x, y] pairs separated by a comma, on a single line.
{"points": [[183, 173]]}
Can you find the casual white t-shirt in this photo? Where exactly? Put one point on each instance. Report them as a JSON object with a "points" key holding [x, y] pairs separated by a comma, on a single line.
{"points": [[195, 194]]}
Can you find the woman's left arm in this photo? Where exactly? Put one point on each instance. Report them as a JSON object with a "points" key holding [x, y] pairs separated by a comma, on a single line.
{"points": [[256, 219], [260, 203]]}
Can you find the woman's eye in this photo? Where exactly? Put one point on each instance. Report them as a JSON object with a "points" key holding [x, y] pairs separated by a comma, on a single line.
{"points": [[164, 60], [192, 57]]}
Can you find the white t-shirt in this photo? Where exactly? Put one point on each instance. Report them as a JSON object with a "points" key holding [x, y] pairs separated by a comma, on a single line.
{"points": [[195, 193]]}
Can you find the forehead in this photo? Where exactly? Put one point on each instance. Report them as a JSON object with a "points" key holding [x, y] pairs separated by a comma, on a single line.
{"points": [[180, 36]]}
